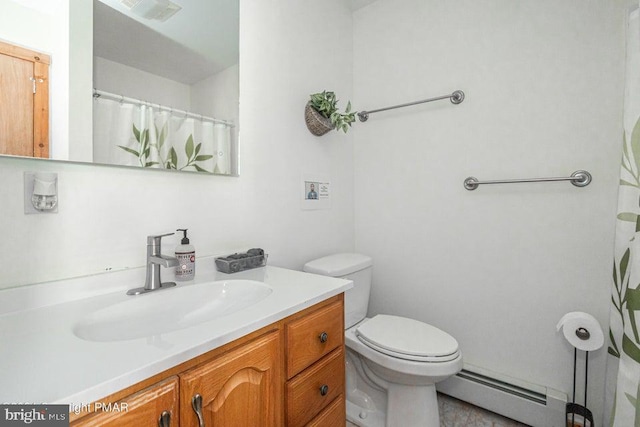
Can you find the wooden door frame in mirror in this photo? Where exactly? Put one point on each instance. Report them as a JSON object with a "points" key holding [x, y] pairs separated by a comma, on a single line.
{"points": [[40, 80]]}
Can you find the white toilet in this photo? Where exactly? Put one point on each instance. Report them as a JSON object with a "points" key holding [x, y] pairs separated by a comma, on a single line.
{"points": [[393, 363]]}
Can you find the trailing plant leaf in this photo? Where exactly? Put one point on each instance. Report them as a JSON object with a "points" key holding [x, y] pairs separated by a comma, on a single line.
{"points": [[149, 164], [203, 157], [136, 133], [173, 158], [199, 169], [189, 147], [630, 349], [613, 348], [621, 283], [624, 263], [635, 145], [632, 299], [130, 150]]}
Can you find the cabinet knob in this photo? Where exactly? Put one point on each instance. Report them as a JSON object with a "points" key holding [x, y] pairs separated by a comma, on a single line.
{"points": [[323, 337], [324, 390], [165, 419], [196, 404]]}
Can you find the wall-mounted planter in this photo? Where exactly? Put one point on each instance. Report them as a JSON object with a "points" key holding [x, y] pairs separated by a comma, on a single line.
{"points": [[316, 122]]}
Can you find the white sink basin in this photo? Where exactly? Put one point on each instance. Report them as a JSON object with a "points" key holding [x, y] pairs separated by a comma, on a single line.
{"points": [[170, 310]]}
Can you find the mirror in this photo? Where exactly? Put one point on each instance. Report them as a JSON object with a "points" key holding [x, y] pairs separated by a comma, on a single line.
{"points": [[164, 77]]}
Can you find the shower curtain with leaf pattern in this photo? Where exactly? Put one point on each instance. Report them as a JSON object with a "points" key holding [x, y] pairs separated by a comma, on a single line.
{"points": [[143, 135], [622, 397]]}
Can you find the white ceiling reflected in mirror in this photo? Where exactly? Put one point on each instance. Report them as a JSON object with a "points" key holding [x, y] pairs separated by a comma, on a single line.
{"points": [[164, 76]]}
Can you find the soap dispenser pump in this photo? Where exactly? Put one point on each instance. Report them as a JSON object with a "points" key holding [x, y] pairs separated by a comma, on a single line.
{"points": [[186, 255]]}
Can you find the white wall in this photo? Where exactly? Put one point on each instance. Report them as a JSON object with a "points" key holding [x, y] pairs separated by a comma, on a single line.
{"points": [[217, 96], [121, 79], [26, 26], [105, 213], [80, 79], [499, 266]]}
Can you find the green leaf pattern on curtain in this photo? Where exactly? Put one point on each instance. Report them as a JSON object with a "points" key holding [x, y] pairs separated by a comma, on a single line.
{"points": [[192, 151], [624, 336]]}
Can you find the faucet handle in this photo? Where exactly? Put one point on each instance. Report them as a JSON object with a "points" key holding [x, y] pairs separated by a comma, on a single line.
{"points": [[157, 239]]}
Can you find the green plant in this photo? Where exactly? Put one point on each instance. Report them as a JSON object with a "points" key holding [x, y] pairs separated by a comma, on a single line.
{"points": [[326, 104]]}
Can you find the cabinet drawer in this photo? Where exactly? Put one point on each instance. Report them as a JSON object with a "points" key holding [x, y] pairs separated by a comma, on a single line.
{"points": [[305, 395], [138, 410], [333, 415], [313, 336]]}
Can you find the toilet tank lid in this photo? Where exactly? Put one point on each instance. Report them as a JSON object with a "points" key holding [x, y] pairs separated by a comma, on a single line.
{"points": [[338, 265]]}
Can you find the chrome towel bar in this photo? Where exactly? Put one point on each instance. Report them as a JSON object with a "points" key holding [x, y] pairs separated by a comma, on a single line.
{"points": [[456, 98], [579, 178]]}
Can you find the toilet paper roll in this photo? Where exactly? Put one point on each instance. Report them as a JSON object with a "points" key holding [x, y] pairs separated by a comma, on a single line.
{"points": [[582, 330]]}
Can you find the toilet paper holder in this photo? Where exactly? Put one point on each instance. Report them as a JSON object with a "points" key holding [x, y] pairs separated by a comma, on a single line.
{"points": [[583, 333]]}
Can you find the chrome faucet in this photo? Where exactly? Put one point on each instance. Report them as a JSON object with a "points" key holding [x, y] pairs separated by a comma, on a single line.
{"points": [[155, 259]]}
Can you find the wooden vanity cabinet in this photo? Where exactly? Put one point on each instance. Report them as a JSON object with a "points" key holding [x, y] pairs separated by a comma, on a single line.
{"points": [[144, 408], [315, 366], [290, 373], [240, 388]]}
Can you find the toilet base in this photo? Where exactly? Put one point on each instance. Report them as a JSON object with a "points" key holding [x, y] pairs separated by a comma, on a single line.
{"points": [[362, 418], [412, 406], [374, 402], [407, 407]]}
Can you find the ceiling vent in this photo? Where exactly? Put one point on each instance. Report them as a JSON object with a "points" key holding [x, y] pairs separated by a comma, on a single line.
{"points": [[157, 10]]}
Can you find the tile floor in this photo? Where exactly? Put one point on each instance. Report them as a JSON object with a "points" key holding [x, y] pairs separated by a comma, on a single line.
{"points": [[456, 413]]}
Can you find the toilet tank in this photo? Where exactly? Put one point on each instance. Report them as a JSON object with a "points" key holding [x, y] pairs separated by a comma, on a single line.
{"points": [[350, 266]]}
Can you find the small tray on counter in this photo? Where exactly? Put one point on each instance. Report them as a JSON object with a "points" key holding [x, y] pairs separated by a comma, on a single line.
{"points": [[234, 263]]}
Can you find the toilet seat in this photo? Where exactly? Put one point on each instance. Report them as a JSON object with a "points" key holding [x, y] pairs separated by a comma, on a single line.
{"points": [[407, 339]]}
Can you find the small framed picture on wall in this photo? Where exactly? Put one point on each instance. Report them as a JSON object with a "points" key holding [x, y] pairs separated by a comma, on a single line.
{"points": [[316, 192]]}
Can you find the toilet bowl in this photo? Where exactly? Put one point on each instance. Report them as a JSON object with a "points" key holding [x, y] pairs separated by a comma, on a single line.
{"points": [[392, 362]]}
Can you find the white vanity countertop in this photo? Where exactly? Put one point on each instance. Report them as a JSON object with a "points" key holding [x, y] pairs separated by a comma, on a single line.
{"points": [[42, 361]]}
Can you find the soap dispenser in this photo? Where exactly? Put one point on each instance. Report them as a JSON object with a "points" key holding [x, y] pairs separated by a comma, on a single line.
{"points": [[186, 255]]}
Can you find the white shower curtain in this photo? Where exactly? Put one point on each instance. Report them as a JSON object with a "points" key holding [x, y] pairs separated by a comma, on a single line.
{"points": [[142, 135], [622, 405]]}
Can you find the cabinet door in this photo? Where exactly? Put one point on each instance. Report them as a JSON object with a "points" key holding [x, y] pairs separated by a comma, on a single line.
{"points": [[241, 388], [142, 409]]}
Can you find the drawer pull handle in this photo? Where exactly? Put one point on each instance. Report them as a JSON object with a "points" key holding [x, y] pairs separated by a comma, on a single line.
{"points": [[165, 419], [324, 390], [323, 337], [196, 404]]}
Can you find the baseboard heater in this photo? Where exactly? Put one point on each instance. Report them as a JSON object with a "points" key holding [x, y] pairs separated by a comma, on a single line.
{"points": [[525, 402]]}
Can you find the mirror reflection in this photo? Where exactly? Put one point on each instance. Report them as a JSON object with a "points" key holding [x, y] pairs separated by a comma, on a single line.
{"points": [[165, 83]]}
